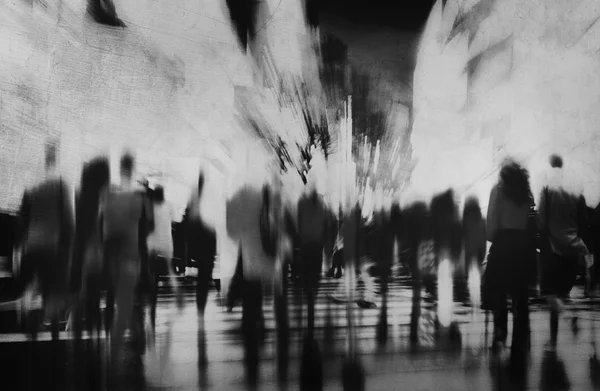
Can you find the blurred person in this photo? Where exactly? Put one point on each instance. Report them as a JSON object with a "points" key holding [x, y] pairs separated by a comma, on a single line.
{"points": [[47, 228], [416, 231], [244, 210], [160, 249], [312, 231], [313, 221], [562, 216], [354, 252], [87, 271], [87, 267], [445, 225], [473, 232], [125, 219], [510, 255], [385, 240], [202, 249], [286, 240], [474, 241]]}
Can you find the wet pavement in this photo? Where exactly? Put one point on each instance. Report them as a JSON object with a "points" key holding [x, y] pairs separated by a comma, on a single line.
{"points": [[171, 363]]}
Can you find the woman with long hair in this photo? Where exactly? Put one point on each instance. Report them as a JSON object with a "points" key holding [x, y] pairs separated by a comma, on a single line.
{"points": [[87, 269], [88, 265], [511, 254]]}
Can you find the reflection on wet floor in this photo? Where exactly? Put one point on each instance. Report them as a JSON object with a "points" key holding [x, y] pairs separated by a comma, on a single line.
{"points": [[172, 362]]}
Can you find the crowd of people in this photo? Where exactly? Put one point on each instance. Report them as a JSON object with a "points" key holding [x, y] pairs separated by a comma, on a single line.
{"points": [[119, 240]]}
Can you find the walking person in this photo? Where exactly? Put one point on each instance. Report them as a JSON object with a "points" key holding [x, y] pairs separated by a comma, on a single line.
{"points": [[312, 232], [474, 242], [511, 254], [416, 235], [201, 249], [562, 218], [45, 239], [87, 269], [385, 236], [125, 217], [257, 269], [160, 249]]}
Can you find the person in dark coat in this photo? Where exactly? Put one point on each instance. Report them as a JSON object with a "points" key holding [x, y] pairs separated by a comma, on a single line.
{"points": [[312, 231], [506, 272], [47, 228], [416, 230], [475, 244], [87, 268], [473, 232]]}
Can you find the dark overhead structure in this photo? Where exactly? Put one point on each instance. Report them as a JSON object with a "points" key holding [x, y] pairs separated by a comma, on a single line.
{"points": [[243, 17], [104, 12], [407, 15]]}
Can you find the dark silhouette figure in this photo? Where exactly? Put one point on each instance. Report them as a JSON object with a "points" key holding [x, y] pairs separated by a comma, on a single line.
{"points": [[201, 252], [312, 230], [507, 269], [385, 236], [104, 12], [88, 272], [46, 232], [416, 229], [563, 220], [473, 231]]}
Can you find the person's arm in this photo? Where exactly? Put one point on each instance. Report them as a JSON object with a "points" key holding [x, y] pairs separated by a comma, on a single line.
{"points": [[492, 213]]}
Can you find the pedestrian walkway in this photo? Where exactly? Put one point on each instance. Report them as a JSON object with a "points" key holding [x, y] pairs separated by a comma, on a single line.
{"points": [[172, 365]]}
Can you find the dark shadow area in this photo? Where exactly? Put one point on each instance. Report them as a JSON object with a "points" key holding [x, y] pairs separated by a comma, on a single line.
{"points": [[554, 374]]}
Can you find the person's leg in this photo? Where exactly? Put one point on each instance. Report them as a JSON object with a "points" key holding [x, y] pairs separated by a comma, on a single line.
{"points": [[520, 309], [500, 312], [250, 319], [154, 276], [415, 313], [173, 281], [205, 268], [126, 284]]}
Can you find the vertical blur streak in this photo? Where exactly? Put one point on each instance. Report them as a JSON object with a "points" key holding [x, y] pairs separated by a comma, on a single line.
{"points": [[445, 293], [474, 282]]}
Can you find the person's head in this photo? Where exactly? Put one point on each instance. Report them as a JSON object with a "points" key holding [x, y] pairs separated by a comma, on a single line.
{"points": [[159, 194], [472, 209], [514, 181], [95, 176], [127, 166], [51, 156], [556, 161], [443, 207]]}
